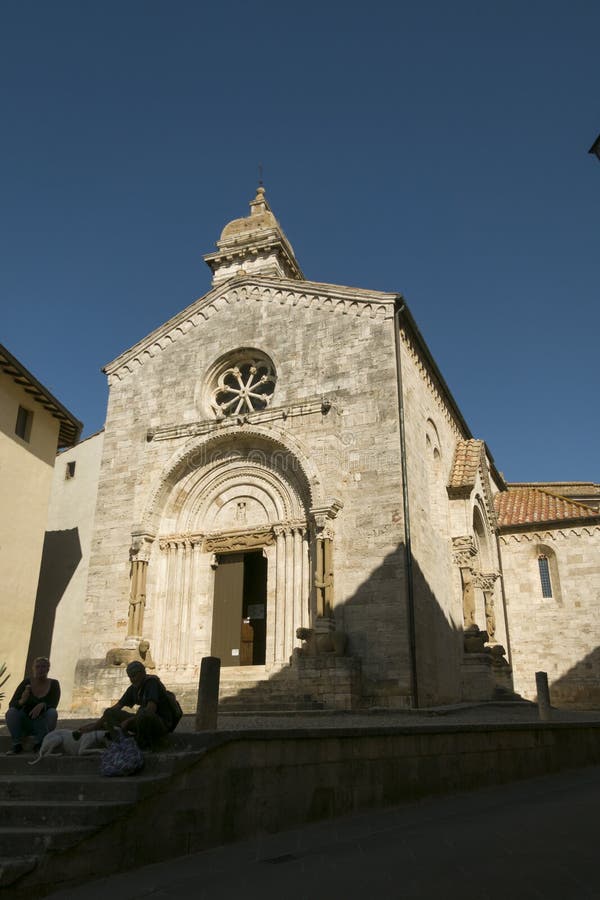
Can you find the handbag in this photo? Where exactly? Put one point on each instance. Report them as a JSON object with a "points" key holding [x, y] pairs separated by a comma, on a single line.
{"points": [[122, 757]]}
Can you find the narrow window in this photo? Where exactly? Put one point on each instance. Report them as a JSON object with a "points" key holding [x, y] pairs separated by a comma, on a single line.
{"points": [[545, 576], [23, 426], [70, 469]]}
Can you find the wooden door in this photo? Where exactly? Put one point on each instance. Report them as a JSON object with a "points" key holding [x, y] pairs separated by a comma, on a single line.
{"points": [[227, 609]]}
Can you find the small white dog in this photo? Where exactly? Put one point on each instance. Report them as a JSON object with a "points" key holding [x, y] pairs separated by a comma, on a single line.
{"points": [[64, 741]]}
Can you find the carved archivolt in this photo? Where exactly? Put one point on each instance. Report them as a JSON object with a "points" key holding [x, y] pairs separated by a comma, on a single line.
{"points": [[257, 446], [312, 296]]}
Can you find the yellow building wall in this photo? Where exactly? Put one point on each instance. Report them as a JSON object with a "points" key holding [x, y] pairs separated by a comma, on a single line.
{"points": [[25, 481]]}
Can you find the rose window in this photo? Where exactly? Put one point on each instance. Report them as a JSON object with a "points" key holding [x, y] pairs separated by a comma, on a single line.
{"points": [[245, 387]]}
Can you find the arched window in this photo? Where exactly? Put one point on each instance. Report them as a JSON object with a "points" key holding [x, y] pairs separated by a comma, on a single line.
{"points": [[433, 470], [547, 572], [545, 579]]}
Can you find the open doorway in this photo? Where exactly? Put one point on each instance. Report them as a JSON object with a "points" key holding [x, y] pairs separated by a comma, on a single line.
{"points": [[240, 609]]}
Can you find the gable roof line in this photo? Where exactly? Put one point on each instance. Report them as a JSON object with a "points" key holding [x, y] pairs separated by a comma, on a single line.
{"points": [[70, 427], [354, 296], [409, 323]]}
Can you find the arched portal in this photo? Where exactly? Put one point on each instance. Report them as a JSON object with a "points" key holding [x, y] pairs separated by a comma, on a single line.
{"points": [[231, 560]]}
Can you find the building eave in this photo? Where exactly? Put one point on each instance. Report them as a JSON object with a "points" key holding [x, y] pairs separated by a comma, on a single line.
{"points": [[70, 427], [409, 322]]}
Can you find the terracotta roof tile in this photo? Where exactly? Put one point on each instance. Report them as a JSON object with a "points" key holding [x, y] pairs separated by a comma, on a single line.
{"points": [[467, 458], [528, 506]]}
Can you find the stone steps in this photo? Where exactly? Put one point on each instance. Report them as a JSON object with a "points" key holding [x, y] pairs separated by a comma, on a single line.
{"points": [[61, 813], [249, 689], [37, 840], [70, 788], [47, 809]]}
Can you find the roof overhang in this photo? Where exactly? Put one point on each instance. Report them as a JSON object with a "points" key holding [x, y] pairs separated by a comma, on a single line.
{"points": [[70, 427]]}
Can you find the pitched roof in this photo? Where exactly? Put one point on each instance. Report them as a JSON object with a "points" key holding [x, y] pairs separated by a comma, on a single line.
{"points": [[467, 459], [532, 506], [70, 427]]}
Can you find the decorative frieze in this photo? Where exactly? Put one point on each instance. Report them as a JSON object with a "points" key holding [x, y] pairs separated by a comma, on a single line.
{"points": [[314, 406], [537, 537], [240, 541]]}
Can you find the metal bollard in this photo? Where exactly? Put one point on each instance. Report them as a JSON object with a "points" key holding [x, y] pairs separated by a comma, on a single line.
{"points": [[207, 705], [543, 695]]}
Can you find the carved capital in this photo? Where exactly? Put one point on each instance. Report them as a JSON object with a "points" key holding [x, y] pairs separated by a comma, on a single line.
{"points": [[486, 580], [464, 551], [141, 545], [322, 515]]}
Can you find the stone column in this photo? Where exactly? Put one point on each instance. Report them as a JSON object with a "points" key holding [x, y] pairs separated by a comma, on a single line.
{"points": [[486, 581], [139, 554], [323, 566], [298, 533], [306, 588], [465, 552], [280, 572]]}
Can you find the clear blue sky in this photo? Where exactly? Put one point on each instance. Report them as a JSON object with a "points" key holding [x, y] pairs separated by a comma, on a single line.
{"points": [[437, 149]]}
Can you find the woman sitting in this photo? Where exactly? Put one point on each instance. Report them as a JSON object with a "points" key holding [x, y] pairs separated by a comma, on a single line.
{"points": [[32, 709]]}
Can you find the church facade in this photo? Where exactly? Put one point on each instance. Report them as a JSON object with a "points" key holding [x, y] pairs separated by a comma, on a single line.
{"points": [[287, 483]]}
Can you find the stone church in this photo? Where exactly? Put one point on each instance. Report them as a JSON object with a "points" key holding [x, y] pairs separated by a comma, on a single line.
{"points": [[286, 482]]}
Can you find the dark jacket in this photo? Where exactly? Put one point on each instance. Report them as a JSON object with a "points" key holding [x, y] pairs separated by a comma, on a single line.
{"points": [[51, 699], [151, 689]]}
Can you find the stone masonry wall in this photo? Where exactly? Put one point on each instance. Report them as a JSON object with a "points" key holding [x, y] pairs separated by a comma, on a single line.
{"points": [[431, 437], [317, 351], [559, 635]]}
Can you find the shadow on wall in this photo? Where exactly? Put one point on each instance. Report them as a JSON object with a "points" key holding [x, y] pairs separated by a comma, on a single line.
{"points": [[377, 623], [579, 687], [60, 557]]}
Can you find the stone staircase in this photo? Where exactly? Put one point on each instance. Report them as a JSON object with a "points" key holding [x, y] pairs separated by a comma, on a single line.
{"points": [[249, 689], [49, 809]]}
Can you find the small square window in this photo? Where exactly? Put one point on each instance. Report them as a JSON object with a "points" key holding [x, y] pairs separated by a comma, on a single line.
{"points": [[70, 469], [23, 426]]}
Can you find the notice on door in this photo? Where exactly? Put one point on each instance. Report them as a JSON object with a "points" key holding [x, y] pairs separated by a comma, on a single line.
{"points": [[256, 610]]}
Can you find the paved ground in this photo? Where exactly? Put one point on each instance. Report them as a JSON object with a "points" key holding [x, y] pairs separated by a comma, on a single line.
{"points": [[524, 841], [459, 714]]}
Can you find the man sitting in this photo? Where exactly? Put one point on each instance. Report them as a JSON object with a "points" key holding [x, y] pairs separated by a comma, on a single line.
{"points": [[152, 721]]}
